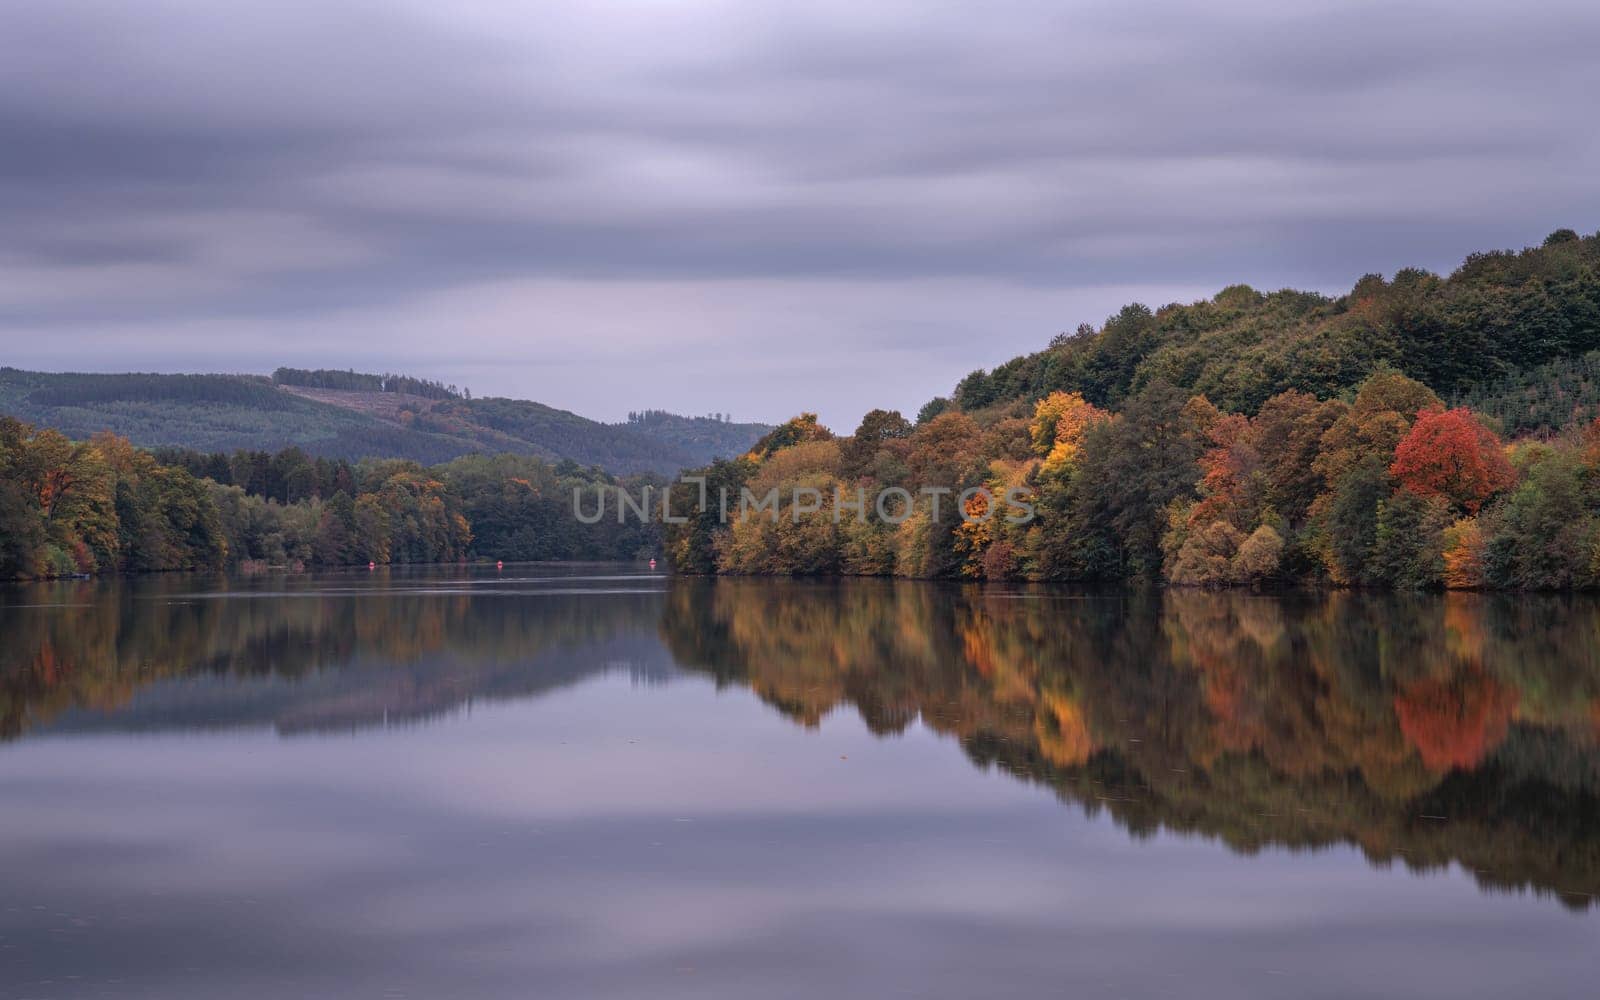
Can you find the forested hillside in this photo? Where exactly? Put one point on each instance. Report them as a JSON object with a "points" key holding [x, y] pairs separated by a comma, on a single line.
{"points": [[1499, 312], [1248, 440], [353, 415]]}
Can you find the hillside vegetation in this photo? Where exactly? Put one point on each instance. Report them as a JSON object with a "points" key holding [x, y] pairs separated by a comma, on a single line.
{"points": [[332, 378], [353, 415], [1251, 439], [1540, 400], [1499, 312]]}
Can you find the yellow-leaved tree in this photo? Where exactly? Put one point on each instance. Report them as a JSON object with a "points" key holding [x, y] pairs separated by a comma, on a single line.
{"points": [[1059, 423]]}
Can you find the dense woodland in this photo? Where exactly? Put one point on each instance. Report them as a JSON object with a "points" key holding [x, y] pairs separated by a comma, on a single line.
{"points": [[1250, 439], [81, 507], [1499, 313]]}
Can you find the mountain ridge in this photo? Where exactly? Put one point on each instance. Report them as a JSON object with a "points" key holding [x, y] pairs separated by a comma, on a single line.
{"points": [[229, 412]]}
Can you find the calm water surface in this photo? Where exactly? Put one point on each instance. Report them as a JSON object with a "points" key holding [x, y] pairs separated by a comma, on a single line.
{"points": [[592, 782]]}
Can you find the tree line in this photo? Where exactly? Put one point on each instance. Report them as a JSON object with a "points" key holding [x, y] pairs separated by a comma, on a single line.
{"points": [[91, 390], [102, 506], [332, 378], [666, 416], [1385, 488]]}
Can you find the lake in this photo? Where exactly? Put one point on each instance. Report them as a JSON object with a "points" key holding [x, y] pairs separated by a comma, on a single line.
{"points": [[597, 782]]}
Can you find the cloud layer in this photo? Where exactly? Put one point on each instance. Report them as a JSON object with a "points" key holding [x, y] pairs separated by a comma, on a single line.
{"points": [[748, 207]]}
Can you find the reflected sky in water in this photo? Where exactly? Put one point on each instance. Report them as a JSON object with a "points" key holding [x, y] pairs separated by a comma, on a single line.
{"points": [[597, 784]]}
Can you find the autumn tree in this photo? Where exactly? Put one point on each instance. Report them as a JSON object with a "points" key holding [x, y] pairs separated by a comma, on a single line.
{"points": [[1059, 423], [1353, 459], [1384, 408], [1448, 453], [1259, 556], [945, 451], [1289, 429], [796, 430]]}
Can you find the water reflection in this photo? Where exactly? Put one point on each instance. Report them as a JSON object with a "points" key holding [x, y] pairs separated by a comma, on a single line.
{"points": [[1425, 730], [334, 653]]}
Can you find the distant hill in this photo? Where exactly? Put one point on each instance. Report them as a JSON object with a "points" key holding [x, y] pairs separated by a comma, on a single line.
{"points": [[391, 417]]}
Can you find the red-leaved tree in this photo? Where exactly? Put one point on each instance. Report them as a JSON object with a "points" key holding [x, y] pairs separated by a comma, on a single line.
{"points": [[1448, 453]]}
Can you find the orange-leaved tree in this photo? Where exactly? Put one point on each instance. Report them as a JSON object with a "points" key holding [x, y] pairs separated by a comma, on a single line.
{"points": [[1449, 453]]}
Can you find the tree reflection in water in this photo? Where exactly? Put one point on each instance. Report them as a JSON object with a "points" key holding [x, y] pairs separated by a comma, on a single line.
{"points": [[1424, 729]]}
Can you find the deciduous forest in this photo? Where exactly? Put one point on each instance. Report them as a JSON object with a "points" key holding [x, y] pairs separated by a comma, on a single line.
{"points": [[1251, 439]]}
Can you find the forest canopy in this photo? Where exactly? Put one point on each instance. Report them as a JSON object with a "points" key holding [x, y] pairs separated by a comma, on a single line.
{"points": [[1497, 314]]}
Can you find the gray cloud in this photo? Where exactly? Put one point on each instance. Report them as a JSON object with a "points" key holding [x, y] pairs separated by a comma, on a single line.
{"points": [[662, 194]]}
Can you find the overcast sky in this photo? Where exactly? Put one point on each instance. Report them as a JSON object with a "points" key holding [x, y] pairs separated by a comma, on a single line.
{"points": [[745, 206]]}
